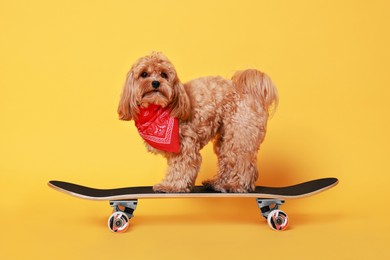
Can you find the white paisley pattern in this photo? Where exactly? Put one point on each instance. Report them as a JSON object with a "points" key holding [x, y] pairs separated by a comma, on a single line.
{"points": [[157, 128]]}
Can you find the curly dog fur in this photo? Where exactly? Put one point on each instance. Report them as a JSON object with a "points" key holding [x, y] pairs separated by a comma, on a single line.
{"points": [[231, 113]]}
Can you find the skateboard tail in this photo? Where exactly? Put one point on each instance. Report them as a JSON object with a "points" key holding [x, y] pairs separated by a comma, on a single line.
{"points": [[52, 184]]}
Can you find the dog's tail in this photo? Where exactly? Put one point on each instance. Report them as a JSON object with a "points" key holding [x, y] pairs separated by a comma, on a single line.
{"points": [[259, 85]]}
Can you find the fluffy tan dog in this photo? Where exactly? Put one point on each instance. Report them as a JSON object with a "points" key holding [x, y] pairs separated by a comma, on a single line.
{"points": [[177, 120]]}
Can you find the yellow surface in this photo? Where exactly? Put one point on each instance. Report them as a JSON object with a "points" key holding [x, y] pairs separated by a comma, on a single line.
{"points": [[62, 66]]}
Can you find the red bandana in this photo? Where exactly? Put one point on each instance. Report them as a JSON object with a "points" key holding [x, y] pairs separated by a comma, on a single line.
{"points": [[158, 128]]}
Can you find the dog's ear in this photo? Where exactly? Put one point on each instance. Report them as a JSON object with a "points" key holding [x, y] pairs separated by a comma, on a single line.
{"points": [[181, 106], [128, 108]]}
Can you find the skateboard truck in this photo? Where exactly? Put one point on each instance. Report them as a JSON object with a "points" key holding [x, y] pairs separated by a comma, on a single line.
{"points": [[122, 212], [277, 219]]}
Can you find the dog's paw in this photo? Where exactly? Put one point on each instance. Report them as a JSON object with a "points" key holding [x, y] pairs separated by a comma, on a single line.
{"points": [[236, 189], [214, 185], [210, 185], [164, 188], [225, 187]]}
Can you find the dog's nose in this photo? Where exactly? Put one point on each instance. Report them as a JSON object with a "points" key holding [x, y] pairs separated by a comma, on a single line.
{"points": [[155, 84]]}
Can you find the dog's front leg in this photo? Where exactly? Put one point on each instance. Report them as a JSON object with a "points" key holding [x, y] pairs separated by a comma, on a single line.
{"points": [[182, 171]]}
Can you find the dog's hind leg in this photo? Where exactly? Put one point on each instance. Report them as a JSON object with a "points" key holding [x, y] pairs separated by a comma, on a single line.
{"points": [[236, 148]]}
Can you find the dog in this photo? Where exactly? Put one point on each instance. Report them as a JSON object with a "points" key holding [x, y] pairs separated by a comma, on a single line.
{"points": [[177, 120]]}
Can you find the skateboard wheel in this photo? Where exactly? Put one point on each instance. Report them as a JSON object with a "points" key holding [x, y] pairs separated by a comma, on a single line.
{"points": [[277, 220], [118, 222]]}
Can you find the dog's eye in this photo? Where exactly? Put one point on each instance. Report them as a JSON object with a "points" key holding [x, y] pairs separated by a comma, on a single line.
{"points": [[144, 74], [164, 75]]}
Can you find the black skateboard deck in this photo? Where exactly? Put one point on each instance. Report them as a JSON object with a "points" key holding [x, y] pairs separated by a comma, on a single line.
{"points": [[289, 192], [124, 200]]}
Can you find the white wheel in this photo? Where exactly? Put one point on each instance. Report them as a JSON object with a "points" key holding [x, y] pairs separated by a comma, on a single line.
{"points": [[277, 220], [118, 222]]}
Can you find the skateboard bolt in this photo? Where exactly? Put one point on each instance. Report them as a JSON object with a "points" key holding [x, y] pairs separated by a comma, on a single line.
{"points": [[118, 223], [279, 221]]}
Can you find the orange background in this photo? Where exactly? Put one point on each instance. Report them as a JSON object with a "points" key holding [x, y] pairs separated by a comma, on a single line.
{"points": [[62, 67]]}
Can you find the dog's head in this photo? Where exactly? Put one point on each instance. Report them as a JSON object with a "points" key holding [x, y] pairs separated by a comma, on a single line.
{"points": [[153, 80]]}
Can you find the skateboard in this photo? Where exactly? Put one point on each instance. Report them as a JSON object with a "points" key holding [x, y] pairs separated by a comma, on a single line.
{"points": [[124, 200]]}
